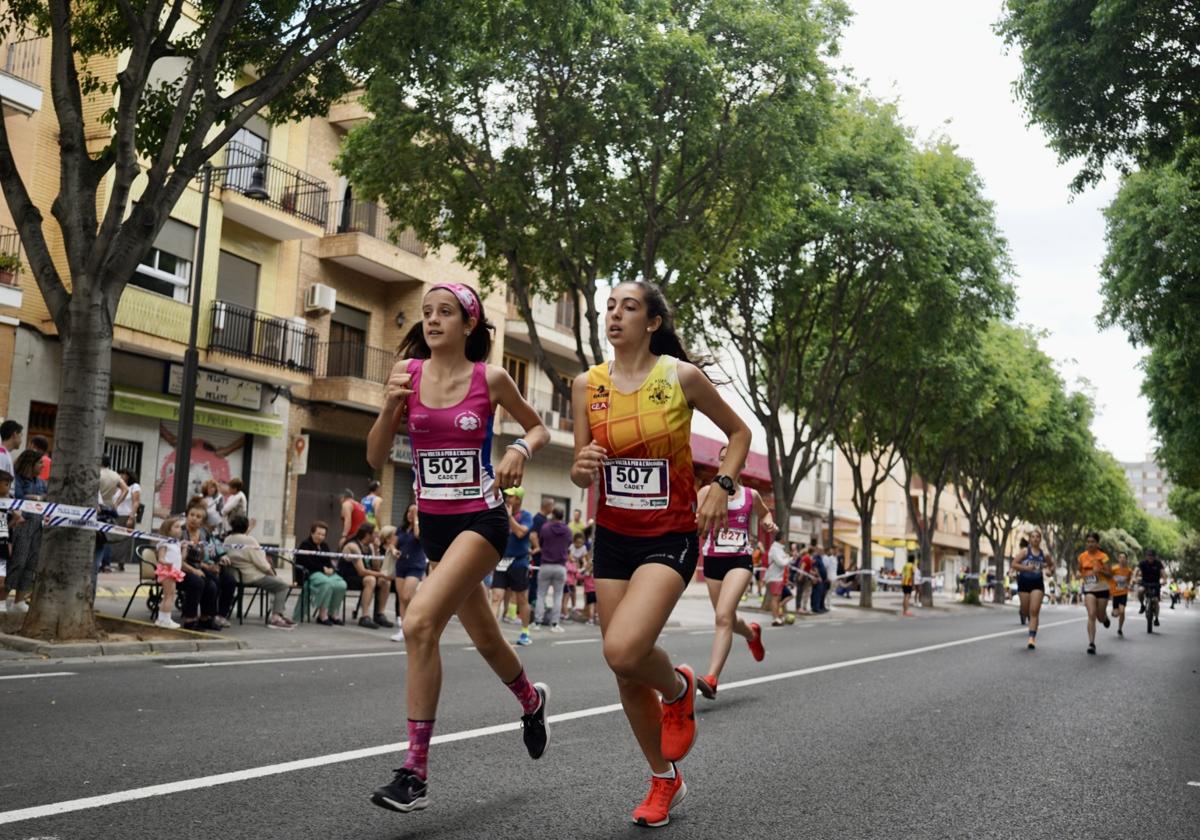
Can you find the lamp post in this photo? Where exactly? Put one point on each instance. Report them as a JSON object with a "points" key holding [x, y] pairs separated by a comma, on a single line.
{"points": [[191, 356]]}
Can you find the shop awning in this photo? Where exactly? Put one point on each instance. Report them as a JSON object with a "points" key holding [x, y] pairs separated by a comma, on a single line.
{"points": [[706, 452], [164, 407], [855, 541]]}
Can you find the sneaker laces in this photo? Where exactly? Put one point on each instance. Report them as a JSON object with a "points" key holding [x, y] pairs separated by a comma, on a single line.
{"points": [[662, 791]]}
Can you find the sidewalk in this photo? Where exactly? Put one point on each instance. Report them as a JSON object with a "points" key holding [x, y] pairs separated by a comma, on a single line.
{"points": [[692, 613]]}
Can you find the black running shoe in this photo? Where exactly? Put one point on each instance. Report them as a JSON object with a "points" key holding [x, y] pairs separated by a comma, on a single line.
{"points": [[534, 728], [407, 792], [1155, 621], [1092, 649], [1107, 623]]}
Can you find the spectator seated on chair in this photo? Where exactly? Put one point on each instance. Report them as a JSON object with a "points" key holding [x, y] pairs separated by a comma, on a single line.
{"points": [[365, 572], [326, 589], [251, 562]]}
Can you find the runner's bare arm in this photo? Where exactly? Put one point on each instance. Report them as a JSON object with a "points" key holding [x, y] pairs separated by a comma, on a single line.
{"points": [[504, 392], [765, 518], [588, 454], [391, 417], [703, 396]]}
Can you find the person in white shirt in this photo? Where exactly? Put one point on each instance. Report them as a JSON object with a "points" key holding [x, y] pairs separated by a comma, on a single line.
{"points": [[778, 559], [127, 510], [10, 442]]}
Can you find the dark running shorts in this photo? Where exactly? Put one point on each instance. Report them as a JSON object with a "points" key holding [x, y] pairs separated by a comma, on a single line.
{"points": [[589, 597], [515, 578], [906, 589], [1030, 583], [438, 530], [1120, 600], [1099, 594], [719, 565], [617, 556]]}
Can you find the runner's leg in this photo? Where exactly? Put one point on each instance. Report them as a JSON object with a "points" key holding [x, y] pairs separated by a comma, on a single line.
{"points": [[725, 598], [632, 615], [1032, 602]]}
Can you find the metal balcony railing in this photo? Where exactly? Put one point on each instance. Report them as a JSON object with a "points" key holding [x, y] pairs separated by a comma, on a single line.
{"points": [[23, 58], [373, 220], [248, 334], [354, 359], [288, 189], [10, 246]]}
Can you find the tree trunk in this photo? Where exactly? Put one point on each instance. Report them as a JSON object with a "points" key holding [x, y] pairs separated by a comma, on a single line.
{"points": [[926, 540], [972, 582], [63, 593], [866, 582], [998, 593]]}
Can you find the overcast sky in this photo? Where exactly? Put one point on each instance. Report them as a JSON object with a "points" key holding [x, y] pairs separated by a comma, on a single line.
{"points": [[941, 60]]}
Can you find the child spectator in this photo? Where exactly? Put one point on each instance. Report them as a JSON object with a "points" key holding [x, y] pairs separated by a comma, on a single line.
{"points": [[583, 558], [169, 570]]}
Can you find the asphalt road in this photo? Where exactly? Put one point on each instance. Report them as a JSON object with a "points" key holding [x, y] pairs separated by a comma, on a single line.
{"points": [[927, 727]]}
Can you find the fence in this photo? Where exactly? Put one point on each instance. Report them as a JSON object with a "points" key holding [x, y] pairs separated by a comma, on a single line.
{"points": [[354, 359], [373, 220], [248, 334], [23, 58], [288, 189]]}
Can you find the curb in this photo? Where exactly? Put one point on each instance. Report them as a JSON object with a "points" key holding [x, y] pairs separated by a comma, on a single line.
{"points": [[200, 643]]}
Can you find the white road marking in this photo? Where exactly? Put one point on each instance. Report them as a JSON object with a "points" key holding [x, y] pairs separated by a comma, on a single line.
{"points": [[288, 659], [168, 788], [1193, 784], [38, 676], [701, 632], [470, 647], [577, 642]]}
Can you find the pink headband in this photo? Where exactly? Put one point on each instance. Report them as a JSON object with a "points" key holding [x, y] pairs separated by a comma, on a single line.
{"points": [[465, 296]]}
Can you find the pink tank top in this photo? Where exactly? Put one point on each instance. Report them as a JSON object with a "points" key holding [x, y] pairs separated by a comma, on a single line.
{"points": [[452, 448], [735, 537]]}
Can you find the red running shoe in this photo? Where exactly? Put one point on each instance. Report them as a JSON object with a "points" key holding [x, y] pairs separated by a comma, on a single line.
{"points": [[755, 642], [708, 686], [679, 719], [664, 795]]}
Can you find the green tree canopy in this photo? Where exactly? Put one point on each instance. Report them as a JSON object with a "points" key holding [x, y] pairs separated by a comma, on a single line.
{"points": [[1111, 81]]}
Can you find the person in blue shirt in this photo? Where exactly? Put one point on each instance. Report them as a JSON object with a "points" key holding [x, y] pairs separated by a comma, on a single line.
{"points": [[512, 572]]}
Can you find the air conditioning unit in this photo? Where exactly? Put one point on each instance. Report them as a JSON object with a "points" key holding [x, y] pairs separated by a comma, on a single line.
{"points": [[320, 298], [550, 418]]}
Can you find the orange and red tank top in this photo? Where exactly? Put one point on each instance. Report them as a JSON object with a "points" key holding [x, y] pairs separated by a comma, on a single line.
{"points": [[647, 483]]}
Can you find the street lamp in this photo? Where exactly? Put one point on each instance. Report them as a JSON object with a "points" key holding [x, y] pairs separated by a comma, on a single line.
{"points": [[191, 357]]}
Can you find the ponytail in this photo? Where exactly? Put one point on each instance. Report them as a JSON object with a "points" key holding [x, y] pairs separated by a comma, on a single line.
{"points": [[665, 341]]}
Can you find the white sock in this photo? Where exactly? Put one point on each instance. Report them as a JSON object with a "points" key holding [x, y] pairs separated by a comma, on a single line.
{"points": [[677, 698], [670, 774]]}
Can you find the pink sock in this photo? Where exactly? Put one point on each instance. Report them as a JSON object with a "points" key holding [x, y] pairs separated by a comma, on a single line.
{"points": [[417, 758], [524, 691]]}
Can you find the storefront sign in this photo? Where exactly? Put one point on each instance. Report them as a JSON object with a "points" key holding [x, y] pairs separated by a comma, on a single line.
{"points": [[402, 450], [300, 455], [164, 408], [218, 388]]}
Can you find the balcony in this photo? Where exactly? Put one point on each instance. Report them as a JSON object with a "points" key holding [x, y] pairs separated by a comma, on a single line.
{"points": [[273, 342], [349, 113], [351, 374], [10, 279], [295, 204], [361, 236], [559, 424], [19, 88]]}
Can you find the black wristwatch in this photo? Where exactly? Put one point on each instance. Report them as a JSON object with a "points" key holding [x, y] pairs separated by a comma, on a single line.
{"points": [[725, 483]]}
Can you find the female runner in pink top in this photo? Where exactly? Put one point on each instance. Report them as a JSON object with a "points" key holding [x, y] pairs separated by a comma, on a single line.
{"points": [[727, 571], [443, 395]]}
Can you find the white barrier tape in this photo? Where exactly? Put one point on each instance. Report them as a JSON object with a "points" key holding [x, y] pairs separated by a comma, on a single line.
{"points": [[55, 515]]}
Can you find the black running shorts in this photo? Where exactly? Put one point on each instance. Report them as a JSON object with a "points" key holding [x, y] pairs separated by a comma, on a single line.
{"points": [[1030, 582], [617, 556], [1120, 600], [515, 578], [438, 530], [716, 566], [1099, 593]]}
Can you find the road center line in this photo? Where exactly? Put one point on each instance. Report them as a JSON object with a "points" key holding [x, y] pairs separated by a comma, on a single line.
{"points": [[287, 659], [1193, 784], [577, 642], [38, 676], [168, 788]]}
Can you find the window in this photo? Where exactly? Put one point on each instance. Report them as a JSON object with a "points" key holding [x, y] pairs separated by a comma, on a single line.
{"points": [[167, 269], [124, 454], [249, 145], [564, 311], [348, 341], [562, 405], [237, 281], [518, 369]]}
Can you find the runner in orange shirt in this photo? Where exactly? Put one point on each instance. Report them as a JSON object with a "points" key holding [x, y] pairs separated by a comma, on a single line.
{"points": [[1093, 567], [1118, 588]]}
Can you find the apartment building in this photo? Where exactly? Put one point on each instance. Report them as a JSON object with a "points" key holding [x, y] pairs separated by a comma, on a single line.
{"points": [[304, 296], [893, 531], [1150, 486]]}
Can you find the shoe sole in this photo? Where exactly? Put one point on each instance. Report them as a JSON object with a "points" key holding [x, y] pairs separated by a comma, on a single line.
{"points": [[418, 804], [706, 690], [679, 796], [545, 723]]}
